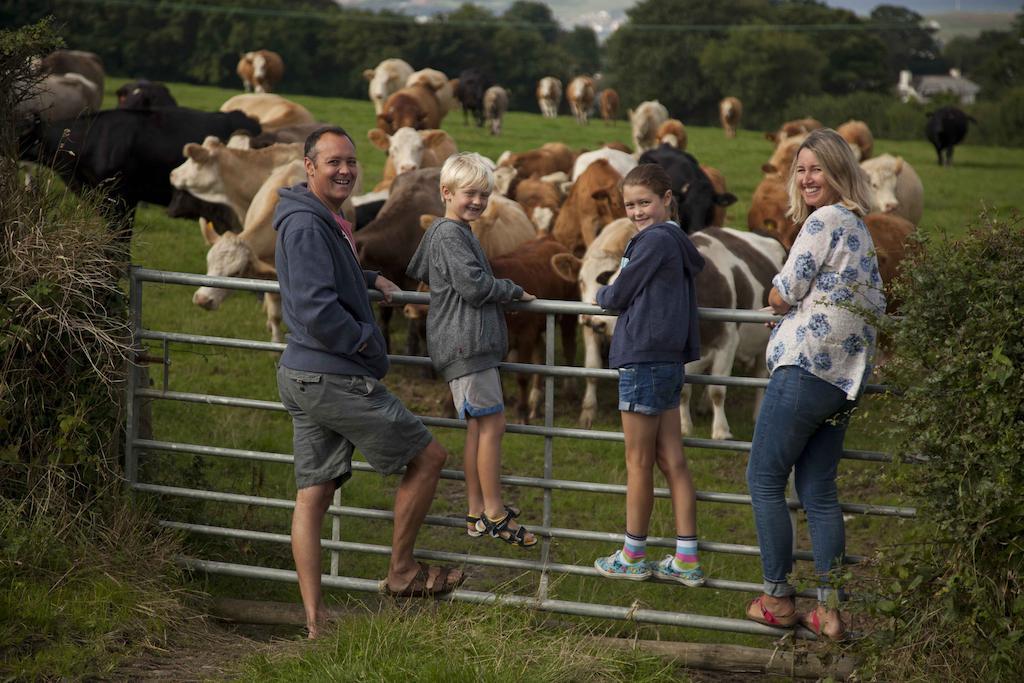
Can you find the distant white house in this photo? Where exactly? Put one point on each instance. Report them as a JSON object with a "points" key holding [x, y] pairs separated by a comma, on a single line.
{"points": [[923, 88]]}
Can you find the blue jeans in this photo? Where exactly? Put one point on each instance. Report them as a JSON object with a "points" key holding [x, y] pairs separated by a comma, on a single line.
{"points": [[801, 426]]}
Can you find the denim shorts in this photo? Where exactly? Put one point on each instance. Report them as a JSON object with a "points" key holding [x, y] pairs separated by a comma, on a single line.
{"points": [[332, 415], [650, 388]]}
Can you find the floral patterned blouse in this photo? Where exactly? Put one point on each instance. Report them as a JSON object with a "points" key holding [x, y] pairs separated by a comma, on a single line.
{"points": [[830, 277]]}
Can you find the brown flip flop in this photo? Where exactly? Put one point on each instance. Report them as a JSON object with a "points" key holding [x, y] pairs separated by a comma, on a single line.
{"points": [[423, 585], [763, 615]]}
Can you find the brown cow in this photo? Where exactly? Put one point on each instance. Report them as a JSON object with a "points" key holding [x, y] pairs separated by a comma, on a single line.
{"points": [[88, 64], [551, 157], [541, 199], [580, 94], [795, 127], [717, 182], [859, 137], [768, 209], [414, 106], [730, 111], [672, 132], [781, 161], [609, 105], [529, 266], [594, 201], [272, 111], [260, 70]]}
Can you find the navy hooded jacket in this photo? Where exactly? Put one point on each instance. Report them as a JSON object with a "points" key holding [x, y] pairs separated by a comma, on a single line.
{"points": [[655, 292]]}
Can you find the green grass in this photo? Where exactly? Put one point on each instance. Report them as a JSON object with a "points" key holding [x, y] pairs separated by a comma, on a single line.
{"points": [[987, 176]]}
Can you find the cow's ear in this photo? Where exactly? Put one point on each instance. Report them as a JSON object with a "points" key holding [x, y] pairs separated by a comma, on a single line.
{"points": [[196, 152], [426, 220], [368, 74], [566, 266], [379, 138], [899, 165], [209, 234], [431, 136], [263, 270], [600, 195], [771, 137], [769, 168], [725, 199]]}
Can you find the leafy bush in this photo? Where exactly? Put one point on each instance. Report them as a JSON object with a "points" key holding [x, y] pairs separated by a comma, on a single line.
{"points": [[954, 606], [63, 324]]}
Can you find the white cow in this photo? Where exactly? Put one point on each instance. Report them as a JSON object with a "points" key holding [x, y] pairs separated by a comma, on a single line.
{"points": [[728, 254], [409, 150], [389, 76], [272, 111], [622, 162], [250, 253], [645, 121], [436, 81], [580, 94], [549, 96], [896, 187], [60, 96]]}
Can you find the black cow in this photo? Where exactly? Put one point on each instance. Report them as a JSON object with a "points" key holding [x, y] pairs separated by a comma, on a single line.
{"points": [[946, 127], [695, 196], [143, 94], [470, 89], [127, 153], [184, 204]]}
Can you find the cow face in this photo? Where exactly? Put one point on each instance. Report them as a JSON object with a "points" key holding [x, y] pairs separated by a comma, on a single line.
{"points": [[406, 150], [883, 174], [200, 174], [597, 270], [228, 256]]}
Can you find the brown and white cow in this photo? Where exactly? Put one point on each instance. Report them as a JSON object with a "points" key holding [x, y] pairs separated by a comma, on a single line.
{"points": [[609, 105], [645, 121], [896, 187], [580, 94], [250, 253], [859, 137], [768, 208], [414, 106], [594, 201], [730, 112], [387, 77], [60, 96], [550, 157], [795, 127], [260, 70], [442, 86], [737, 274], [501, 228], [272, 111], [549, 96], [672, 132], [541, 199], [88, 64], [409, 150], [215, 172], [495, 106], [781, 161]]}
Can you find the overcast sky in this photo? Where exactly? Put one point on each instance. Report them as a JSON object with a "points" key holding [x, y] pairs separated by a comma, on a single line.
{"points": [[932, 6]]}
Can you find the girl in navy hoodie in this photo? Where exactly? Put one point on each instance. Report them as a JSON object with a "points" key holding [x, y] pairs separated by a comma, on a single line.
{"points": [[656, 333]]}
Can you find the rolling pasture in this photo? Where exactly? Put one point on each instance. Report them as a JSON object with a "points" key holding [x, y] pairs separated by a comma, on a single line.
{"points": [[982, 177]]}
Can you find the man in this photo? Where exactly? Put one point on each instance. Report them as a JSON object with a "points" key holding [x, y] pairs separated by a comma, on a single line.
{"points": [[328, 378]]}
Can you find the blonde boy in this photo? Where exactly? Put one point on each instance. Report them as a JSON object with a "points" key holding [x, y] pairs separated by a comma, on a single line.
{"points": [[467, 338]]}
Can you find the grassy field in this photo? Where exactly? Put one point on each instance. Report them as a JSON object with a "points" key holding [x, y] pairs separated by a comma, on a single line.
{"points": [[983, 177]]}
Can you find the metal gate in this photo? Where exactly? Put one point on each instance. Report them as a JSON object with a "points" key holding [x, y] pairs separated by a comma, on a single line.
{"points": [[544, 568]]}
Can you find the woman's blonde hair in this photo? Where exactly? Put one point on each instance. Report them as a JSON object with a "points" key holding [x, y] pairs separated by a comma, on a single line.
{"points": [[466, 170], [842, 172]]}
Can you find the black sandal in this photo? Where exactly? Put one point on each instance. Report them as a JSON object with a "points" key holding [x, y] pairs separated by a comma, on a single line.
{"points": [[499, 529], [475, 530]]}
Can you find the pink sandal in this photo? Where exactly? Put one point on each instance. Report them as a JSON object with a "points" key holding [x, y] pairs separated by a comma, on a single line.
{"points": [[812, 622], [763, 615]]}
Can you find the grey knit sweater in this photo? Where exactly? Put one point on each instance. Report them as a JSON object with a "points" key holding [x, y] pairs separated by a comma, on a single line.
{"points": [[466, 330]]}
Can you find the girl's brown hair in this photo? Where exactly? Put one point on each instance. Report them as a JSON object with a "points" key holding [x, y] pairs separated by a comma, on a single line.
{"points": [[842, 172]]}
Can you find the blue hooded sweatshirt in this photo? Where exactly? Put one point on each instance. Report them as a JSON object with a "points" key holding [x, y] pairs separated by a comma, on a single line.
{"points": [[323, 292], [655, 293]]}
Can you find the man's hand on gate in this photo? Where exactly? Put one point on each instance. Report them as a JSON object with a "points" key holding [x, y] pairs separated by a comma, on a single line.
{"points": [[386, 287]]}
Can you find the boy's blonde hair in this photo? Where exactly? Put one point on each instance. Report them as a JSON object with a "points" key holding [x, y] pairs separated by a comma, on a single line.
{"points": [[843, 173], [466, 169]]}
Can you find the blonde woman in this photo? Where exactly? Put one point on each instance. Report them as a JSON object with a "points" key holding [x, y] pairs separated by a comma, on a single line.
{"points": [[819, 357]]}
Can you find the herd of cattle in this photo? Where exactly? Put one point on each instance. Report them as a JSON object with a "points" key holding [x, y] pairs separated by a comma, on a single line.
{"points": [[556, 223]]}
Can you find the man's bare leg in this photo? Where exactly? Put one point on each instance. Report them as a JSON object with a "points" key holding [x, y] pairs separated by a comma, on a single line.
{"points": [[412, 501], [311, 504]]}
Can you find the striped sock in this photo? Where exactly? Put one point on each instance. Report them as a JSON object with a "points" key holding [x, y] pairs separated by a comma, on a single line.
{"points": [[635, 549], [686, 553]]}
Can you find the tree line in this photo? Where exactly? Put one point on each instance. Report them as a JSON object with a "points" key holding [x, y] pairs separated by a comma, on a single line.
{"points": [[687, 53]]}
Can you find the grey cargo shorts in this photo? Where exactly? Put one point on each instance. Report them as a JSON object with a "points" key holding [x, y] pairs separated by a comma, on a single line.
{"points": [[332, 415]]}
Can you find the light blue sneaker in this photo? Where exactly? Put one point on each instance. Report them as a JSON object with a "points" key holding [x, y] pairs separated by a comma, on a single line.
{"points": [[666, 570], [614, 567]]}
